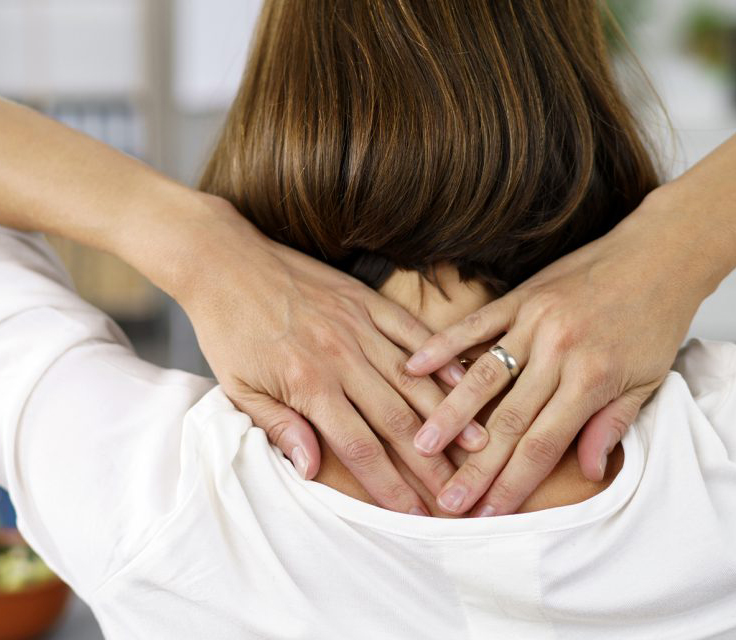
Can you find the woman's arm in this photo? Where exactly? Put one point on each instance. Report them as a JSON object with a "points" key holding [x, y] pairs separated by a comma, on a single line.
{"points": [[90, 435], [595, 333], [274, 325]]}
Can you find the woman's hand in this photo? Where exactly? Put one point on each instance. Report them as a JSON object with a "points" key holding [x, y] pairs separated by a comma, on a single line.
{"points": [[293, 340], [271, 322], [594, 333]]}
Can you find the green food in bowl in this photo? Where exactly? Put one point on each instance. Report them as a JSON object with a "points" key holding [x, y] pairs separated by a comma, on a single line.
{"points": [[20, 567]]}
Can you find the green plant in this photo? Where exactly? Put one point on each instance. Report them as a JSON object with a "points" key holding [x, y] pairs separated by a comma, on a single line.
{"points": [[20, 567]]}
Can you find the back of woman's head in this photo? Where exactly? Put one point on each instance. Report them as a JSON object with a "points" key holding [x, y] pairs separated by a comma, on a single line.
{"points": [[488, 134]]}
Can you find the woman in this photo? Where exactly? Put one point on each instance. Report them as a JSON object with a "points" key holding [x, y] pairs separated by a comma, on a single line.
{"points": [[71, 186], [113, 463]]}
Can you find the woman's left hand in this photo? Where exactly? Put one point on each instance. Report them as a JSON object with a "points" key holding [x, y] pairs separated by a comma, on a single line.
{"points": [[594, 334]]}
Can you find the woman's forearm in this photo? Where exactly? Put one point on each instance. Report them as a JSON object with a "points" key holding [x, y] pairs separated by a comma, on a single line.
{"points": [[694, 217], [56, 180]]}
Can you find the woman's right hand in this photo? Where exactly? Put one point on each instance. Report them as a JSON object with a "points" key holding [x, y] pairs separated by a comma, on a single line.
{"points": [[293, 341]]}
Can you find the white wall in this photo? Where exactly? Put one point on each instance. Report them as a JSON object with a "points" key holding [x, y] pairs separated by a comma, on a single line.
{"points": [[72, 48], [702, 110], [210, 43]]}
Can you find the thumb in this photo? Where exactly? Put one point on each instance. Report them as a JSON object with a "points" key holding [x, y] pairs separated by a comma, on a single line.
{"points": [[604, 430], [284, 427]]}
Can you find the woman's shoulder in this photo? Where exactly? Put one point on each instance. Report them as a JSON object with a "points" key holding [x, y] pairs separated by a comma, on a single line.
{"points": [[708, 370], [708, 367], [702, 363]]}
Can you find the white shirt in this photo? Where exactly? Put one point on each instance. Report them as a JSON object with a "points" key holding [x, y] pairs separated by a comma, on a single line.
{"points": [[172, 516]]}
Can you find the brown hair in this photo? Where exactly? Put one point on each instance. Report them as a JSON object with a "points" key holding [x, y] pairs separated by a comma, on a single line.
{"points": [[488, 134]]}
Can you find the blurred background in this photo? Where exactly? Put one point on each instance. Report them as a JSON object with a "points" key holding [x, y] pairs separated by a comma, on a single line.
{"points": [[155, 77]]}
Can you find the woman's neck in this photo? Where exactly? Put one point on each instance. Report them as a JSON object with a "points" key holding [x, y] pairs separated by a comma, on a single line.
{"points": [[425, 301]]}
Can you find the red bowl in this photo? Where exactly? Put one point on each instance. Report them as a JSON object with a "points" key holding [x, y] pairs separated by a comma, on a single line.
{"points": [[27, 613]]}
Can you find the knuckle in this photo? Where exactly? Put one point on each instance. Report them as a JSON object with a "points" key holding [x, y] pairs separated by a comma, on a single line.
{"points": [[400, 423], [474, 323], [276, 433], [562, 336], [441, 341], [440, 467], [329, 342], [362, 452], [404, 380], [394, 494], [343, 310], [503, 492], [563, 342], [300, 378], [475, 473], [408, 323], [547, 301], [447, 415], [509, 422], [542, 450], [482, 375], [316, 400], [596, 373], [297, 369]]}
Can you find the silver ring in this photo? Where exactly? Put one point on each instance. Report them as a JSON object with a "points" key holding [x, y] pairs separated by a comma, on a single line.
{"points": [[508, 360]]}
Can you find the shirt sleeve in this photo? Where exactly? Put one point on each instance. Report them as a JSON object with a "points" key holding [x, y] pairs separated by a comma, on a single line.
{"points": [[89, 433]]}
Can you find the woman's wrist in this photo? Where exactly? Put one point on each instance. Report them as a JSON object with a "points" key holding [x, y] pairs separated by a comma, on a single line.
{"points": [[179, 235], [687, 237], [207, 241], [702, 203]]}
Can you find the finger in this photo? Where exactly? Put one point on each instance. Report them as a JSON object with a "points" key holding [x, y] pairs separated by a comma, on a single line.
{"points": [[472, 438], [479, 326], [285, 428], [536, 454], [456, 455], [506, 427], [485, 379], [363, 455], [604, 430], [421, 393], [390, 416], [404, 330]]}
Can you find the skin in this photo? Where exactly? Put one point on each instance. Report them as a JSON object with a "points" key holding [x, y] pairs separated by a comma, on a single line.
{"points": [[565, 485]]}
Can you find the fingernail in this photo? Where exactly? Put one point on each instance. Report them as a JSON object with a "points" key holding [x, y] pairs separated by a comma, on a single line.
{"points": [[486, 512], [452, 499], [602, 464], [418, 511], [417, 360], [299, 459], [456, 373], [427, 438], [474, 434]]}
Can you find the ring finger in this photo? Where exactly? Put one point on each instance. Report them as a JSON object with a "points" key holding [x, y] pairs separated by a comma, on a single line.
{"points": [[485, 379]]}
